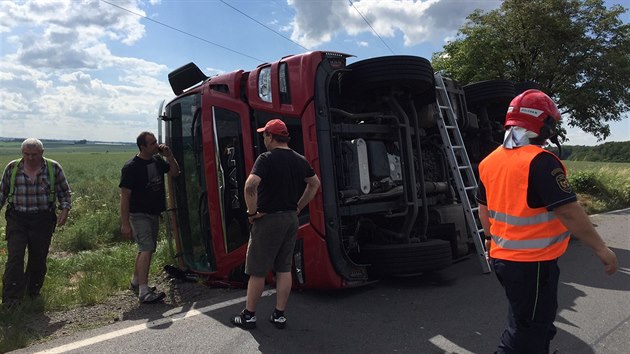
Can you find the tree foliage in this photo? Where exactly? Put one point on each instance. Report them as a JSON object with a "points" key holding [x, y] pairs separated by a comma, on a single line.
{"points": [[613, 151], [578, 51]]}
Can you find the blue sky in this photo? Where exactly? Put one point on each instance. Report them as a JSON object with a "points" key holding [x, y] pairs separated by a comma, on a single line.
{"points": [[97, 70]]}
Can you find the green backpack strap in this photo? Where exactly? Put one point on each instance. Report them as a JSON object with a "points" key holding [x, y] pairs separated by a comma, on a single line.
{"points": [[51, 180], [12, 180]]}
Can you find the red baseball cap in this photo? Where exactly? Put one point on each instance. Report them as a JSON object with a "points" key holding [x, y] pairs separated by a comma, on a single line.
{"points": [[275, 127]]}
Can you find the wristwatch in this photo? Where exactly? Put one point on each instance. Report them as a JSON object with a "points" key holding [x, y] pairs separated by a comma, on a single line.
{"points": [[250, 215]]}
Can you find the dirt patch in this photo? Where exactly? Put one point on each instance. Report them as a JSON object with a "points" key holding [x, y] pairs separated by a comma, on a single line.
{"points": [[121, 306]]}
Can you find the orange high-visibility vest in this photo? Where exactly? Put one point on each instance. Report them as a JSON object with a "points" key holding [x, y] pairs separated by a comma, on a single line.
{"points": [[519, 233]]}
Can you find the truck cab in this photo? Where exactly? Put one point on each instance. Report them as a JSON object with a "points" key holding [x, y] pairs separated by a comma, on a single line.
{"points": [[387, 203]]}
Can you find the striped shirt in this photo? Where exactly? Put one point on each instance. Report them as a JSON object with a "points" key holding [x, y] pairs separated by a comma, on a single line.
{"points": [[31, 196]]}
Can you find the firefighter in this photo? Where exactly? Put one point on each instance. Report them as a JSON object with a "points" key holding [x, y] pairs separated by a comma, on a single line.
{"points": [[529, 212]]}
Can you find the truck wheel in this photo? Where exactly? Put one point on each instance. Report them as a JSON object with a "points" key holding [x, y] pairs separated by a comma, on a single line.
{"points": [[414, 74], [490, 92], [408, 258]]}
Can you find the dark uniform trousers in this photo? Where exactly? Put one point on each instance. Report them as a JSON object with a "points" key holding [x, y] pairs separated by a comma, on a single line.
{"points": [[532, 292], [26, 231]]}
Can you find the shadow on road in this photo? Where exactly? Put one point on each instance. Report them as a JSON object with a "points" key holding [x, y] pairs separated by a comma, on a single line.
{"points": [[458, 310]]}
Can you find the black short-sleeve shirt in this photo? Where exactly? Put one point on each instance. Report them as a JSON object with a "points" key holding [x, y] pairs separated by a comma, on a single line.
{"points": [[548, 184], [282, 173], [145, 178]]}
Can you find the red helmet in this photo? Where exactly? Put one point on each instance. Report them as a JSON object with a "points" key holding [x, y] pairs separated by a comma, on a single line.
{"points": [[530, 109]]}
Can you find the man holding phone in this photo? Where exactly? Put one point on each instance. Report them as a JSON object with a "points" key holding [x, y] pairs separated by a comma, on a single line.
{"points": [[142, 200]]}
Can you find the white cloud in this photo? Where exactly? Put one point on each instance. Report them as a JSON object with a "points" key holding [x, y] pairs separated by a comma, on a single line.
{"points": [[317, 22], [47, 84], [62, 34], [85, 107]]}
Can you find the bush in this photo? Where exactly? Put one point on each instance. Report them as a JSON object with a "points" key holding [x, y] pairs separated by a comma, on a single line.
{"points": [[602, 187], [587, 182]]}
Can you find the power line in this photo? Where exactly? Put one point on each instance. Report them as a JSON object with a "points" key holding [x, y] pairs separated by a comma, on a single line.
{"points": [[184, 32], [373, 30], [262, 24]]}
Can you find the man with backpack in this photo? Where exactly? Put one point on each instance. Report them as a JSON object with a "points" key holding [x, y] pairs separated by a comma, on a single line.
{"points": [[30, 186]]}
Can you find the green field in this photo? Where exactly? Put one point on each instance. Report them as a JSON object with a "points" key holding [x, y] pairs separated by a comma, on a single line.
{"points": [[11, 150]]}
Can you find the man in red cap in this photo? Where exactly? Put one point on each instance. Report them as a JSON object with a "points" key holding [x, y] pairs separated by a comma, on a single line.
{"points": [[275, 195]]}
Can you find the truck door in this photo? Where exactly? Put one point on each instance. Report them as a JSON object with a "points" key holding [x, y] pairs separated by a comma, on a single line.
{"points": [[231, 177], [211, 221]]}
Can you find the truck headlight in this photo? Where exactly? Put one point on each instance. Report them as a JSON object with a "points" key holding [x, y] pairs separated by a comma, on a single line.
{"points": [[264, 84]]}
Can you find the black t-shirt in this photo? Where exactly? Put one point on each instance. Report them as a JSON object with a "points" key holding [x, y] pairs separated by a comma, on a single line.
{"points": [[282, 173], [145, 178], [548, 184]]}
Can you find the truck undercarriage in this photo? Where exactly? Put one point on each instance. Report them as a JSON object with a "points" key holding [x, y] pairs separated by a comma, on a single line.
{"points": [[393, 201]]}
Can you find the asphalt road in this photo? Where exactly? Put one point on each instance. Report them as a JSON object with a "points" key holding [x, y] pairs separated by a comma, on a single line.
{"points": [[458, 310]]}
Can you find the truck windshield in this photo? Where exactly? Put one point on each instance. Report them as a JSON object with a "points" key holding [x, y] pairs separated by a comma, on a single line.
{"points": [[190, 193]]}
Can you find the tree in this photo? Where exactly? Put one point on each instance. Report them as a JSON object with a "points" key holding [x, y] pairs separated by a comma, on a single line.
{"points": [[578, 51]]}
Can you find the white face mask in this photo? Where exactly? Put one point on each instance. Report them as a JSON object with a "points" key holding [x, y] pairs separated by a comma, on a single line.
{"points": [[517, 136]]}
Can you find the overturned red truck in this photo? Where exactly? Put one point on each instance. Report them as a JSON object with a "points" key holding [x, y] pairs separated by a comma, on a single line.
{"points": [[387, 204]]}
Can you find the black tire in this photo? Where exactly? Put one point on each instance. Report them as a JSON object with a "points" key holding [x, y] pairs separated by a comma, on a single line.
{"points": [[411, 73], [489, 92], [408, 258]]}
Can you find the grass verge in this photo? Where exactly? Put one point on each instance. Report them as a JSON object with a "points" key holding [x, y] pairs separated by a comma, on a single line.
{"points": [[600, 187]]}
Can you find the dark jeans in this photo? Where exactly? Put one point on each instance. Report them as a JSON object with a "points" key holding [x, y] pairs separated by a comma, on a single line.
{"points": [[532, 292], [32, 232]]}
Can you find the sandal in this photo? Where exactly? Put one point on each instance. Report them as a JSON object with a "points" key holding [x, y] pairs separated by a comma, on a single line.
{"points": [[151, 297], [136, 288]]}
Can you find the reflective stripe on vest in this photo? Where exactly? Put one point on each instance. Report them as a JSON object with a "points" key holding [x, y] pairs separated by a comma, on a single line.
{"points": [[520, 220], [51, 180], [519, 233], [530, 244]]}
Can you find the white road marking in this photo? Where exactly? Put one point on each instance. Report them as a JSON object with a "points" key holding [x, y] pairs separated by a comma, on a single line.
{"points": [[448, 346], [137, 328]]}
